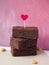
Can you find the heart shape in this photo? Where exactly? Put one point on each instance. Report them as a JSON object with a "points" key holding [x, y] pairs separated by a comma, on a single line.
{"points": [[24, 17]]}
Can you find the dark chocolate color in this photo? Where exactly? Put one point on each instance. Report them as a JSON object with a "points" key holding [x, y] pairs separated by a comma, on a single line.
{"points": [[27, 32], [16, 52], [24, 41], [23, 44]]}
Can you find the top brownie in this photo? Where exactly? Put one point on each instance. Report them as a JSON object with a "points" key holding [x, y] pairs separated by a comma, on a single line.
{"points": [[27, 32]]}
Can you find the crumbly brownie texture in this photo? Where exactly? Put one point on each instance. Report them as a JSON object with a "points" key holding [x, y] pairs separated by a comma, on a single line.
{"points": [[27, 32], [23, 44], [24, 41], [16, 52]]}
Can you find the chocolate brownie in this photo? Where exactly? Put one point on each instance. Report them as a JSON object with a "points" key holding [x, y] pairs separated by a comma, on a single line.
{"points": [[16, 52], [23, 44], [27, 32], [24, 41]]}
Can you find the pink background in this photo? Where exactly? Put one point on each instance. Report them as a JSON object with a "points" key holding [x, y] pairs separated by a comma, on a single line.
{"points": [[38, 12]]}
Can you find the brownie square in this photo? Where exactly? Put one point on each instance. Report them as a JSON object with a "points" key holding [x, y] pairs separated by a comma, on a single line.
{"points": [[24, 41], [23, 44], [16, 52], [27, 32]]}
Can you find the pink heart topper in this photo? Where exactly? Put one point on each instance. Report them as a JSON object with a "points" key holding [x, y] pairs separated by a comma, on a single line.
{"points": [[24, 17]]}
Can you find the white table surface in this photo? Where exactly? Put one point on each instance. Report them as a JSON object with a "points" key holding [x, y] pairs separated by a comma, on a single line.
{"points": [[7, 59]]}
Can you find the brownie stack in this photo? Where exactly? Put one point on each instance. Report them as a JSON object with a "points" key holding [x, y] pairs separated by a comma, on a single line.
{"points": [[24, 41]]}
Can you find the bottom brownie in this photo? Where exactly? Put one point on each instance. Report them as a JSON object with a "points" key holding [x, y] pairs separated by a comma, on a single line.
{"points": [[16, 52]]}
